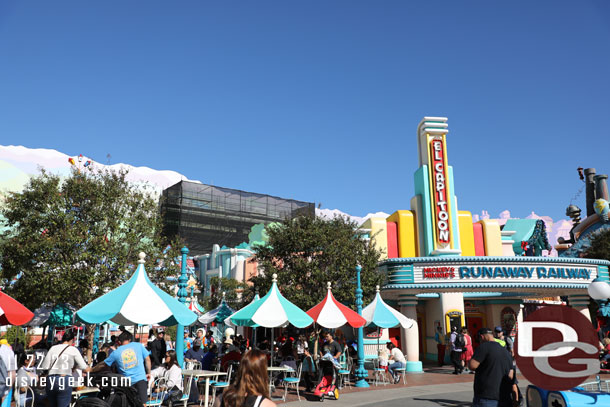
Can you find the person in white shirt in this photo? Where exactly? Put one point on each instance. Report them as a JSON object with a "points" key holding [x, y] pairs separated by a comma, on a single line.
{"points": [[60, 361], [171, 371], [398, 359], [8, 359]]}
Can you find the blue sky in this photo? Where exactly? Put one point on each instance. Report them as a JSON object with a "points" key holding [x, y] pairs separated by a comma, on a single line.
{"points": [[318, 100]]}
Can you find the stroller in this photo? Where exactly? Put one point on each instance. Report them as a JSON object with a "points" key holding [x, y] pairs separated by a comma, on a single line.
{"points": [[327, 386]]}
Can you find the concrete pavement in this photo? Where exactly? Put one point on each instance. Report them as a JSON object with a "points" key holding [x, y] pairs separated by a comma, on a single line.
{"points": [[454, 394]]}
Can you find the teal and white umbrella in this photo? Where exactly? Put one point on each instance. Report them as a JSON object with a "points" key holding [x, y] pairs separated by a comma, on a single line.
{"points": [[137, 302], [381, 315], [228, 319], [271, 311], [218, 314]]}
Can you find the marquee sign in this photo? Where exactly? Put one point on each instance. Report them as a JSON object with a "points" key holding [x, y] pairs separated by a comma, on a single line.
{"points": [[509, 272], [440, 194]]}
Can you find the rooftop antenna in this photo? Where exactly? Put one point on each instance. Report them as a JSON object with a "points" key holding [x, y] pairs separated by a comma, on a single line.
{"points": [[581, 175]]}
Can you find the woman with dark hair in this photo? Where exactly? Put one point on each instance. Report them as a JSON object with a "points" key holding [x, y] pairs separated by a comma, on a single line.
{"points": [[60, 361], [170, 370], [251, 385]]}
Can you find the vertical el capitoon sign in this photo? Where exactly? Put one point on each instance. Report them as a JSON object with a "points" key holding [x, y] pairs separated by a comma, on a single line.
{"points": [[440, 193]]}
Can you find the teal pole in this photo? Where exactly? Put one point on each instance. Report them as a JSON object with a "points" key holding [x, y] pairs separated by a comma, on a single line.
{"points": [[182, 294], [360, 373], [96, 339]]}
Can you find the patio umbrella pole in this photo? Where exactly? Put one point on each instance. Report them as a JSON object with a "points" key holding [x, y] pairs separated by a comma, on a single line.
{"points": [[378, 335]]}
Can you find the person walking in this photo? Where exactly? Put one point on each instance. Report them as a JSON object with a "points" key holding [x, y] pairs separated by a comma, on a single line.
{"points": [[468, 349], [60, 361], [251, 385], [398, 361], [158, 349], [492, 366], [132, 360], [439, 338], [457, 346]]}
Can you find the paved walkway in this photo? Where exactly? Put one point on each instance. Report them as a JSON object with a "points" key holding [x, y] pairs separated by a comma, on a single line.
{"points": [[380, 395], [433, 381], [435, 387]]}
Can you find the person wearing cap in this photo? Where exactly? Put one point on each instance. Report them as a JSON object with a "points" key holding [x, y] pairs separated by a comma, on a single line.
{"points": [[158, 349], [196, 353], [504, 341], [492, 366], [499, 336]]}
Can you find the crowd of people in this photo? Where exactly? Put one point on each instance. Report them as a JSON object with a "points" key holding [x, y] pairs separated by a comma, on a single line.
{"points": [[495, 381]]}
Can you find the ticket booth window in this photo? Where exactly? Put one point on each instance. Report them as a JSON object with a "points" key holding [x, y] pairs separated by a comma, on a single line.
{"points": [[454, 319]]}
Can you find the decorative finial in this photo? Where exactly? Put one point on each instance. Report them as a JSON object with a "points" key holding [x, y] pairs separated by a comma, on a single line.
{"points": [[377, 288], [223, 295], [328, 285], [274, 278], [142, 256]]}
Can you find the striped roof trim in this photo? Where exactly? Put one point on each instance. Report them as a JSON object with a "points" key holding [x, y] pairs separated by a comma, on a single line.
{"points": [[491, 259]]}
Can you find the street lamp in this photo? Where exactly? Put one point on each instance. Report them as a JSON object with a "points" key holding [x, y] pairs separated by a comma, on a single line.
{"points": [[360, 373], [599, 290], [182, 294]]}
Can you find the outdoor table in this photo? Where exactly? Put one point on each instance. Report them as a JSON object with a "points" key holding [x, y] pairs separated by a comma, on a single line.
{"points": [[277, 370], [203, 373], [76, 393]]}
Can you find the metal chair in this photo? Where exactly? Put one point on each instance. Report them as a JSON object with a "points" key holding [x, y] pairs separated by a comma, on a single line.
{"points": [[345, 372], [155, 399], [380, 374], [221, 385], [187, 381], [29, 393], [401, 371], [193, 365], [293, 380]]}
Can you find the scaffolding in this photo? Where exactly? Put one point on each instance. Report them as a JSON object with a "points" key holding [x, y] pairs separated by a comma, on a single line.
{"points": [[204, 215]]}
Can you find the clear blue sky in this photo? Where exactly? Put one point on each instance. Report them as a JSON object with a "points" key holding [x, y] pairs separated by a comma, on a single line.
{"points": [[318, 100]]}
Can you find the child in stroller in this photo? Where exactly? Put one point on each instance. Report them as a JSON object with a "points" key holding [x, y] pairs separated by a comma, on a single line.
{"points": [[327, 386]]}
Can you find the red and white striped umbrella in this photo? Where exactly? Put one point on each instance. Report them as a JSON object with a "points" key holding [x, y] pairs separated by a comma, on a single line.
{"points": [[330, 313], [12, 312]]}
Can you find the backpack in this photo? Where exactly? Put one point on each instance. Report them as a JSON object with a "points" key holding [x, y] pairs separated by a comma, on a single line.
{"points": [[124, 397], [460, 341], [91, 402]]}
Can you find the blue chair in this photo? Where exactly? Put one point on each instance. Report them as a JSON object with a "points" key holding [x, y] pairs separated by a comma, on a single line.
{"points": [[293, 381], [221, 385], [155, 399]]}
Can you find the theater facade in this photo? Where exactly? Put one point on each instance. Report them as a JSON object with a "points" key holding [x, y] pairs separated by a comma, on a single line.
{"points": [[443, 269]]}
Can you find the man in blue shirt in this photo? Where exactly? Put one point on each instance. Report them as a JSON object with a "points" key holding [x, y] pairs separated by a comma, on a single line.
{"points": [[132, 360], [195, 354]]}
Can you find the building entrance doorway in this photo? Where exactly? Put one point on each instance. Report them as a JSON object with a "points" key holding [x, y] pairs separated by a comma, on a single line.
{"points": [[474, 324]]}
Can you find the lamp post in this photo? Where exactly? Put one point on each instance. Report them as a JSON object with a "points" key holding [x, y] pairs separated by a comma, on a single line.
{"points": [[599, 290], [360, 373], [182, 294]]}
